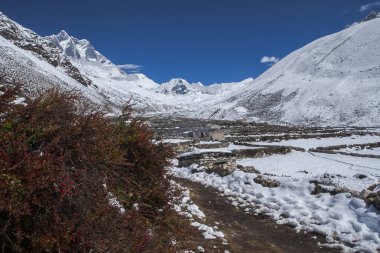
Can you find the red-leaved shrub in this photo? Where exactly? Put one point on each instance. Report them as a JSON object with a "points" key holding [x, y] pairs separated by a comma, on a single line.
{"points": [[63, 164]]}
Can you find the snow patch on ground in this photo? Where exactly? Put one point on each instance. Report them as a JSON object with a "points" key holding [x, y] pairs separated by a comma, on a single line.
{"points": [[209, 232], [324, 142], [306, 166], [175, 141], [186, 207], [228, 149], [358, 150], [209, 142], [113, 201], [346, 221]]}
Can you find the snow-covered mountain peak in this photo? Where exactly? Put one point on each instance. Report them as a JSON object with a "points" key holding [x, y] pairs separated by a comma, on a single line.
{"points": [[77, 49], [176, 86], [87, 51], [40, 47], [178, 81], [98, 68], [66, 43], [63, 35]]}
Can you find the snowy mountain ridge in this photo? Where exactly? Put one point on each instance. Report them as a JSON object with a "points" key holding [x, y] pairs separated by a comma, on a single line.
{"points": [[331, 81], [30, 41], [75, 48]]}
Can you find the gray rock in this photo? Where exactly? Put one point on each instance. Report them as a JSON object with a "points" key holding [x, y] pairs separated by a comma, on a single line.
{"points": [[365, 193], [266, 182]]}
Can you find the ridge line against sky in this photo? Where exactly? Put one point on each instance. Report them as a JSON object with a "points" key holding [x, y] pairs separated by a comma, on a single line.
{"points": [[209, 41]]}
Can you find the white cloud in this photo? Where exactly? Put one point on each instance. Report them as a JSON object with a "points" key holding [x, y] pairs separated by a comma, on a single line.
{"points": [[129, 66], [369, 6], [270, 59]]}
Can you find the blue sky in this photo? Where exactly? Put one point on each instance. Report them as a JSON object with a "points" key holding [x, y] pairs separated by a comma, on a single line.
{"points": [[200, 40]]}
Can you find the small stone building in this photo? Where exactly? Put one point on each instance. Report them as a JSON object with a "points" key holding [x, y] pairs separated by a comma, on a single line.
{"points": [[208, 133], [217, 135]]}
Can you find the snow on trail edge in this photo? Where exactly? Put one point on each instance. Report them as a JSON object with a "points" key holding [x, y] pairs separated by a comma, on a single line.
{"points": [[345, 220]]}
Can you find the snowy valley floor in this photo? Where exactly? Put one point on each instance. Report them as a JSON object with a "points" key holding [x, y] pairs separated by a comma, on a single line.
{"points": [[318, 205], [345, 221]]}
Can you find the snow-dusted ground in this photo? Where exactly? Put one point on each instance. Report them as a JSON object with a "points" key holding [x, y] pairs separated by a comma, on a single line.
{"points": [[324, 142], [343, 219], [209, 142], [358, 150], [186, 207], [343, 169], [175, 141], [228, 149]]}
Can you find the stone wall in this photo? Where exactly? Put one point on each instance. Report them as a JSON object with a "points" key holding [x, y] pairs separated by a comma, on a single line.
{"points": [[274, 148], [225, 163], [335, 149], [211, 145], [181, 147], [260, 152], [218, 162]]}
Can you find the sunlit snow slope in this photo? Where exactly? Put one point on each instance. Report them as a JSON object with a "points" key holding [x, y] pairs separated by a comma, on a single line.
{"points": [[334, 80]]}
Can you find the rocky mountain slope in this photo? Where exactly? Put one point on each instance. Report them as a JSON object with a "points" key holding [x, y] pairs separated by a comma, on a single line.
{"points": [[30, 41]]}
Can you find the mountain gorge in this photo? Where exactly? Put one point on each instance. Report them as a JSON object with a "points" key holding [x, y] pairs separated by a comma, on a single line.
{"points": [[333, 81]]}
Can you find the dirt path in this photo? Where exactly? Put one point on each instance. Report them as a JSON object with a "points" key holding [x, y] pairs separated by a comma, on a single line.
{"points": [[247, 233]]}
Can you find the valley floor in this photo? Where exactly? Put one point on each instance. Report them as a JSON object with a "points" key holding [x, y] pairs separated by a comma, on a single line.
{"points": [[284, 189]]}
